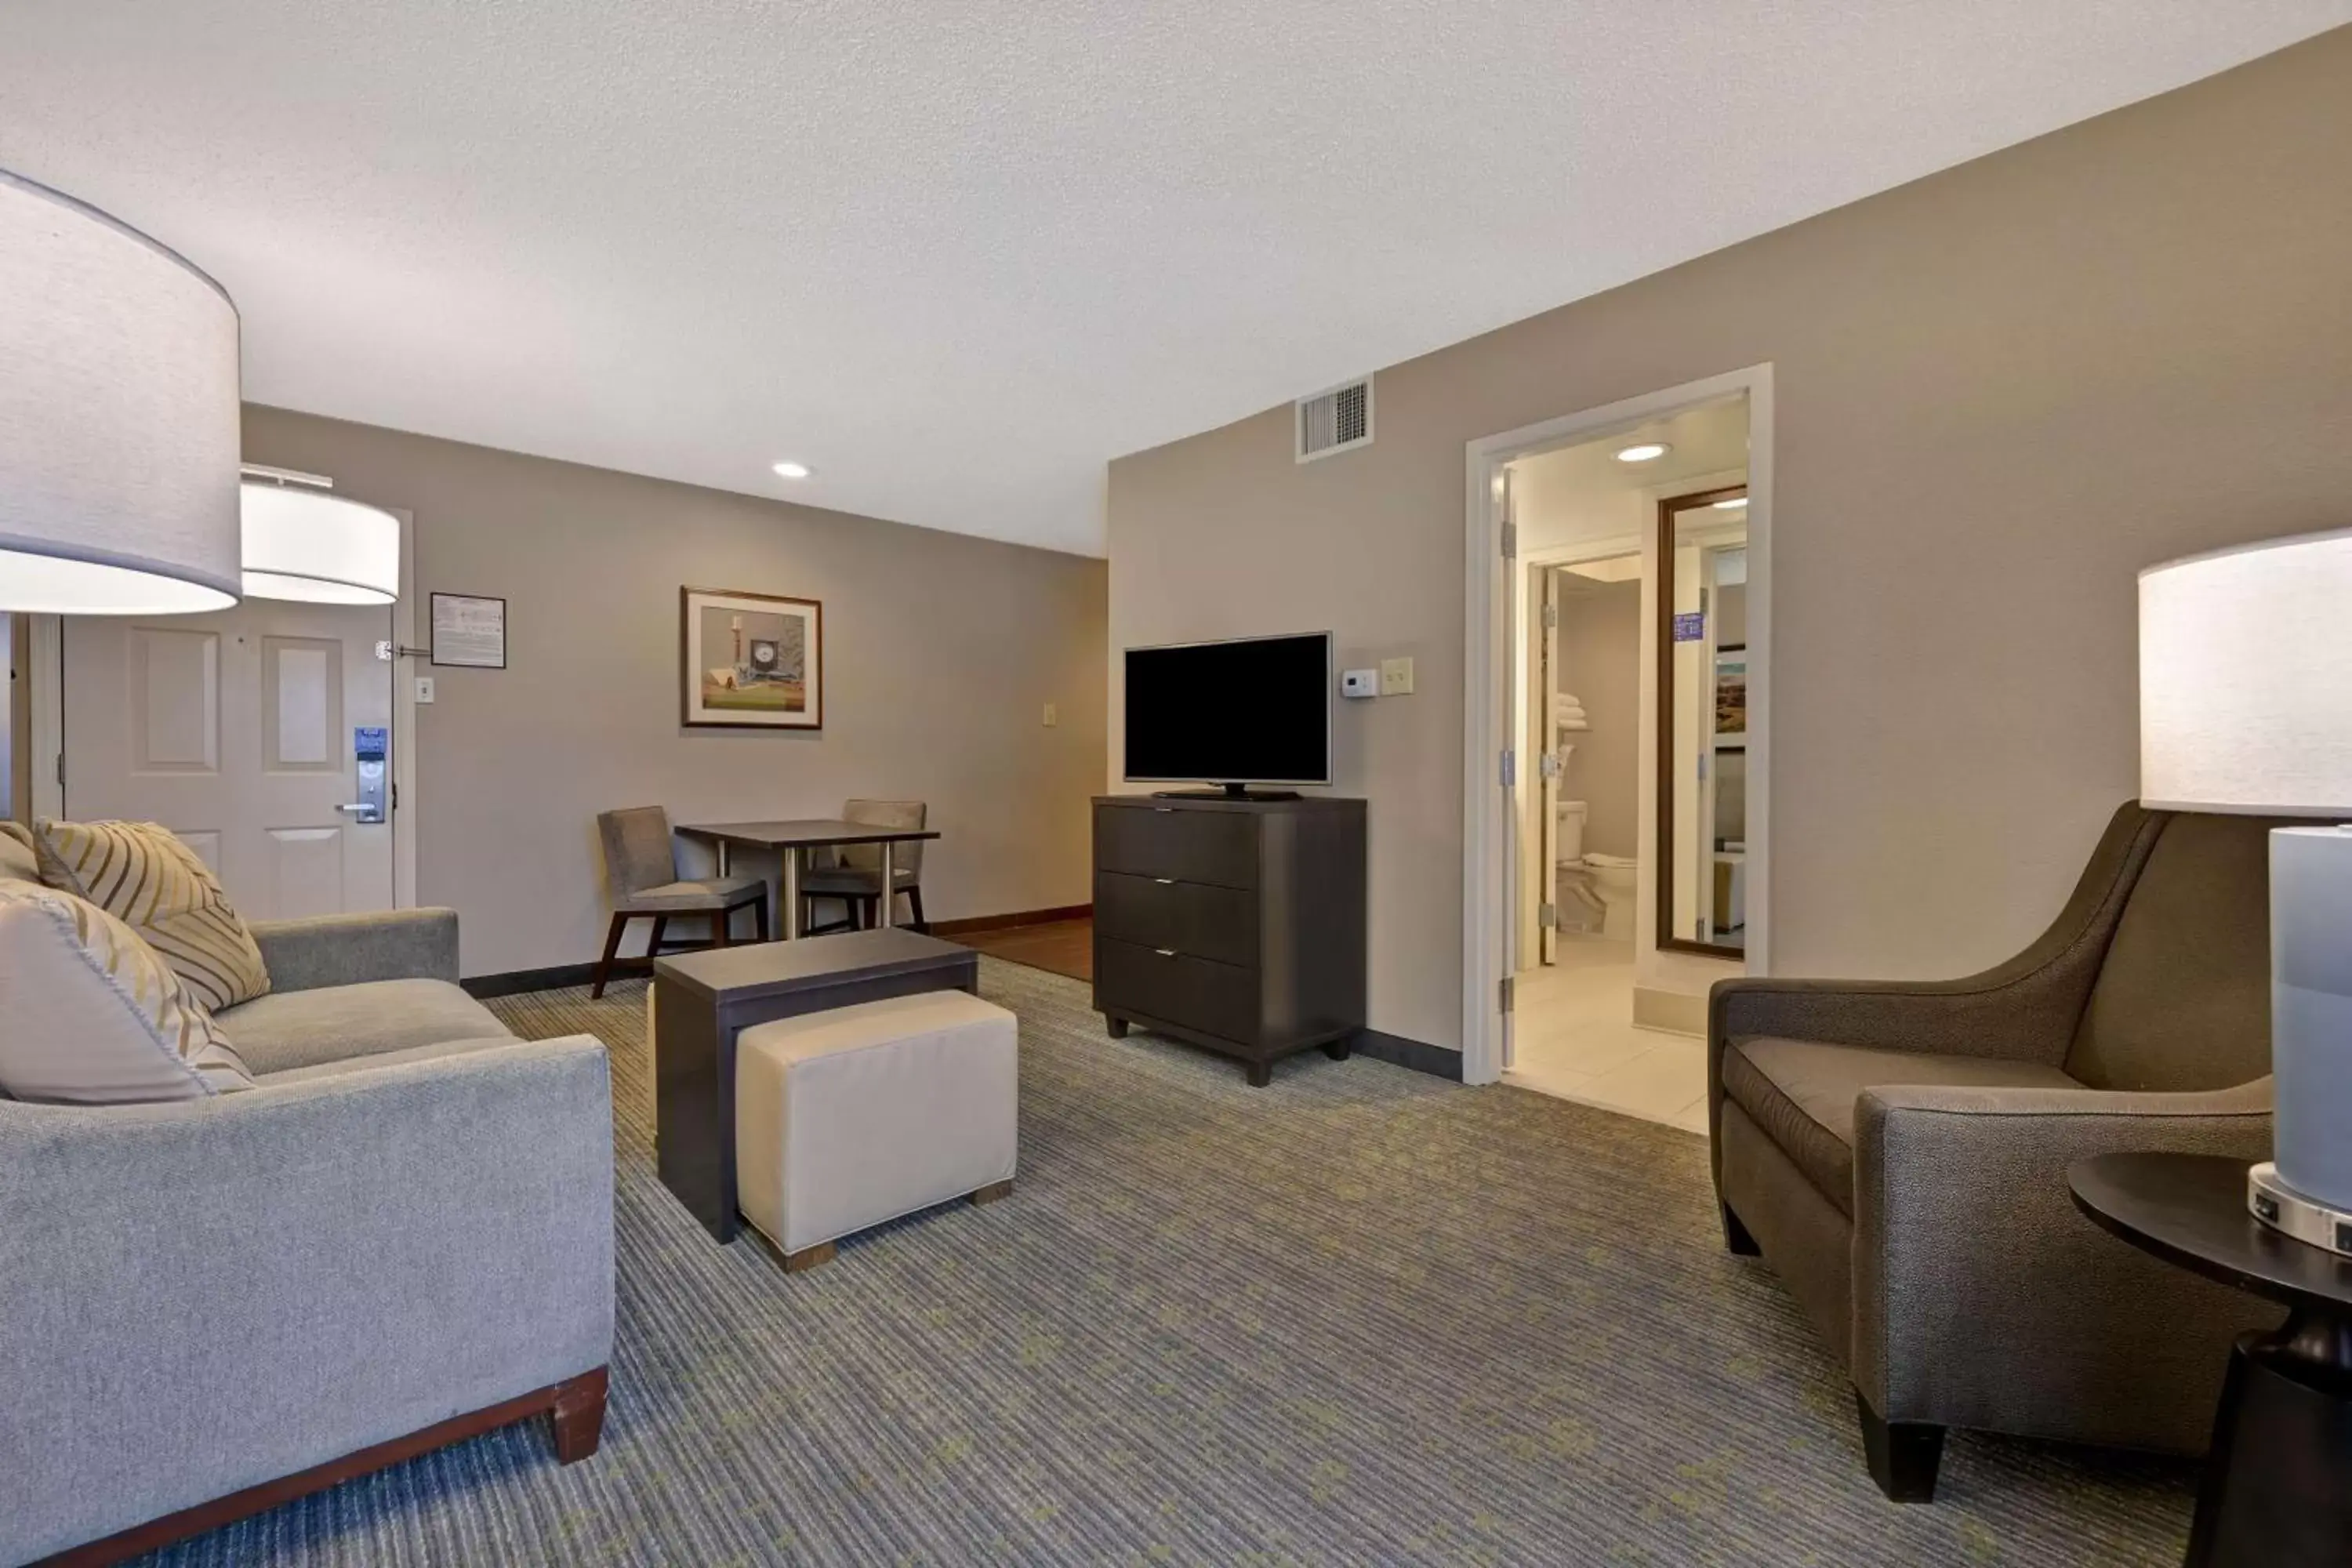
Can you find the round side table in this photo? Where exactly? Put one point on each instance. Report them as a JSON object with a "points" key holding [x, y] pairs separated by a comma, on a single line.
{"points": [[2277, 1490]]}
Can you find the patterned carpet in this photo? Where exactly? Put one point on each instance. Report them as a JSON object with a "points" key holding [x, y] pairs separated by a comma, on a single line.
{"points": [[1360, 1316]]}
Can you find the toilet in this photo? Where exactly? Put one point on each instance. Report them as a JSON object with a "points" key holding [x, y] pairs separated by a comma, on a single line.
{"points": [[1615, 878], [1612, 878]]}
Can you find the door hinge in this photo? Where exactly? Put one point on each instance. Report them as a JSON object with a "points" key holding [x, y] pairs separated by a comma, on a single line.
{"points": [[62, 770], [1507, 991], [1510, 542], [1549, 766], [1547, 916], [1551, 617], [1511, 769]]}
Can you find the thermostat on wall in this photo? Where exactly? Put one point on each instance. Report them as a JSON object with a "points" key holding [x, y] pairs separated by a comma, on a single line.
{"points": [[1360, 683]]}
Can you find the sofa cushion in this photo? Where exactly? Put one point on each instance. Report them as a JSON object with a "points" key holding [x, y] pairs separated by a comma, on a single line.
{"points": [[91, 1016], [301, 1028], [1802, 1093], [17, 862], [142, 874], [348, 1065]]}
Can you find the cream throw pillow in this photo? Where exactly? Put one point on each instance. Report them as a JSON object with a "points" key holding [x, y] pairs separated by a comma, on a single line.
{"points": [[141, 873], [90, 1015]]}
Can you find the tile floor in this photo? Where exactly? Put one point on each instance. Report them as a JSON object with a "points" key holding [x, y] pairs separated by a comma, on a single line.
{"points": [[1575, 1039]]}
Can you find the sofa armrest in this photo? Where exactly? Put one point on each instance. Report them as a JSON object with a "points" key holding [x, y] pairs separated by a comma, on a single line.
{"points": [[346, 949], [201, 1296], [1983, 1298]]}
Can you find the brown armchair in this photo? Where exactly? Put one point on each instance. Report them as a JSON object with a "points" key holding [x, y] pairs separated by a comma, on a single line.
{"points": [[1898, 1153]]}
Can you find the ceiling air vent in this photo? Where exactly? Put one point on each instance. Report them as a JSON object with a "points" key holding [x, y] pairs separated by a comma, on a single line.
{"points": [[1335, 421]]}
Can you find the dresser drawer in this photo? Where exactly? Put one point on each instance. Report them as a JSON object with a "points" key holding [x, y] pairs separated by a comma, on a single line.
{"points": [[1218, 846], [1197, 993], [1197, 919]]}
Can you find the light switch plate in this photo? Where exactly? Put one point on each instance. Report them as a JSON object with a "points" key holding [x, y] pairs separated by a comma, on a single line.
{"points": [[1052, 715], [424, 688], [1360, 683], [1396, 677]]}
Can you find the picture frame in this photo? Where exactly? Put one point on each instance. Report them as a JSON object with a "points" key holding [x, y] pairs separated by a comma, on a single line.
{"points": [[470, 631], [749, 661]]}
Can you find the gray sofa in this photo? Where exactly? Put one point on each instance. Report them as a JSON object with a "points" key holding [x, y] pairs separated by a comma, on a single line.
{"points": [[1897, 1152], [401, 1236]]}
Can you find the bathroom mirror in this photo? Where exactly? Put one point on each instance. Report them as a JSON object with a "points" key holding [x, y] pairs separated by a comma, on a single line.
{"points": [[1702, 808]]}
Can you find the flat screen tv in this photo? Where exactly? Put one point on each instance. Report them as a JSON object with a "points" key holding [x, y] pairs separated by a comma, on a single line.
{"points": [[1254, 710]]}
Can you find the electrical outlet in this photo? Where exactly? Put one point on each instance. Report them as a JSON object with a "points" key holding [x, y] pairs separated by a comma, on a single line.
{"points": [[424, 688], [1396, 677], [1052, 715]]}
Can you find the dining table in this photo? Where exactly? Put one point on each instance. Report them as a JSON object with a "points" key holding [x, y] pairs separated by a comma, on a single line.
{"points": [[793, 838]]}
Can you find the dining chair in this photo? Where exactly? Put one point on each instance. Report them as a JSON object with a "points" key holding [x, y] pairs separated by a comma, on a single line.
{"points": [[852, 872], [641, 866]]}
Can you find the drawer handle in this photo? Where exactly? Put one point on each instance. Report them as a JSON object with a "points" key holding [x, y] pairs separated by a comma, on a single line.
{"points": [[1165, 881], [1165, 952], [1165, 810]]}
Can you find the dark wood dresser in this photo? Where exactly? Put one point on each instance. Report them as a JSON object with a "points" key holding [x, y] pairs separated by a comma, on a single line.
{"points": [[1235, 924]]}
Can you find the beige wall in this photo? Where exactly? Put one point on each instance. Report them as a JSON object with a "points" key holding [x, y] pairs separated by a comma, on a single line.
{"points": [[1999, 391], [941, 653]]}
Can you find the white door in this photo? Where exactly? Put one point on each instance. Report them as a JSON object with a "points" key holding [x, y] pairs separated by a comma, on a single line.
{"points": [[1516, 850], [243, 732], [1551, 764]]}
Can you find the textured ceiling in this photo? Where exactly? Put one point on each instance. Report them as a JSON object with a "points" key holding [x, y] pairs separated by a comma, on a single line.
{"points": [[956, 256]]}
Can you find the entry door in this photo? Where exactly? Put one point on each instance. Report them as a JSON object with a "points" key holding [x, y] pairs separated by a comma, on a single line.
{"points": [[238, 731], [1551, 764]]}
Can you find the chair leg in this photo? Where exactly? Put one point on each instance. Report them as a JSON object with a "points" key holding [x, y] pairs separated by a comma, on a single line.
{"points": [[720, 924], [1735, 1238], [1902, 1455], [914, 904], [579, 1415], [760, 920], [612, 946], [654, 946]]}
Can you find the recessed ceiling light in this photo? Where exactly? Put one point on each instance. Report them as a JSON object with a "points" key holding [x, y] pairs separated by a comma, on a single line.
{"points": [[793, 470], [1647, 452], [1731, 504]]}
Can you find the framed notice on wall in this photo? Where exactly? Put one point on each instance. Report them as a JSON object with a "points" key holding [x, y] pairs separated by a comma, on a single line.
{"points": [[470, 631]]}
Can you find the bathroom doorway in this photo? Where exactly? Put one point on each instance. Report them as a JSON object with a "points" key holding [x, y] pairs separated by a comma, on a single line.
{"points": [[1603, 998]]}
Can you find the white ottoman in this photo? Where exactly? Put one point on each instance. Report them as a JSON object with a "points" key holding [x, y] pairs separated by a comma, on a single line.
{"points": [[848, 1118]]}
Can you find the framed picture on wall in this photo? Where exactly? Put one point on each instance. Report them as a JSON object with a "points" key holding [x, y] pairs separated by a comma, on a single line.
{"points": [[750, 661]]}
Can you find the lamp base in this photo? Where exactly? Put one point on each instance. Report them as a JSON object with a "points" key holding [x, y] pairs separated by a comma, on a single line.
{"points": [[2283, 1208]]}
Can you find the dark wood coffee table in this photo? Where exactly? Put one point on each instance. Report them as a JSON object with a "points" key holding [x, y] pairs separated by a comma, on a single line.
{"points": [[703, 1000], [2277, 1491]]}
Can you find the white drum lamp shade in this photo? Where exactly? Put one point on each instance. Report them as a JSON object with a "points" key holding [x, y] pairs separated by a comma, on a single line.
{"points": [[2246, 706], [119, 418], [304, 544]]}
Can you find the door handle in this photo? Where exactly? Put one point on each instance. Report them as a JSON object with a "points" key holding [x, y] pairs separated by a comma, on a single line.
{"points": [[356, 806], [1165, 952], [1165, 881]]}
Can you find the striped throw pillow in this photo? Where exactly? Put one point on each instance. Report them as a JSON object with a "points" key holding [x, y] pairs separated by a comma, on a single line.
{"points": [[142, 874], [90, 1015]]}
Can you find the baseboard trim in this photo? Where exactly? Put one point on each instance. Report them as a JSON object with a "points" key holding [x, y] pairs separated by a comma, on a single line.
{"points": [[1675, 1011], [1418, 1055], [1006, 922], [515, 982]]}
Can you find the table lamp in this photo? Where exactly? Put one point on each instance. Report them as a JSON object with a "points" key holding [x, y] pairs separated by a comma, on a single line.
{"points": [[2245, 672]]}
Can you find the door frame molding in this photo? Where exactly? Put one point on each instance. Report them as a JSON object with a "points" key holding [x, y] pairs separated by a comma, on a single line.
{"points": [[1489, 807], [404, 719]]}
